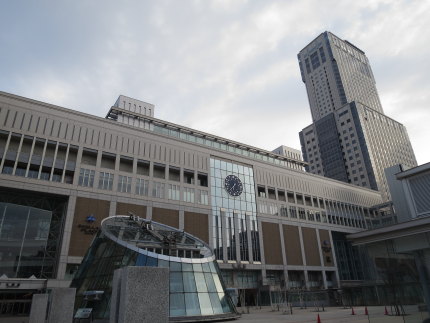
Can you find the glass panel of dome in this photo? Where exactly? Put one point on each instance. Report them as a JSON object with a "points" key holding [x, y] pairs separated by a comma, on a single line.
{"points": [[176, 284], [141, 260], [192, 305], [197, 267], [216, 303], [217, 283], [206, 267], [224, 302], [175, 266], [205, 304], [151, 262], [177, 304], [200, 282], [189, 282], [187, 267], [210, 282]]}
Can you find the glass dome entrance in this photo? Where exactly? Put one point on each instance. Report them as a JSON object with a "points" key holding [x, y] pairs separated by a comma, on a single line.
{"points": [[196, 288]]}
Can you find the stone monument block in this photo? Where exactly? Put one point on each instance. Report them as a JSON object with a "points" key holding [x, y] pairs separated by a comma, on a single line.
{"points": [[62, 303], [39, 305], [143, 295]]}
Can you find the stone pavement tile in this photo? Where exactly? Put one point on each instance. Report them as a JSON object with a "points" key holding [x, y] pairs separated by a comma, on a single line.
{"points": [[330, 315]]}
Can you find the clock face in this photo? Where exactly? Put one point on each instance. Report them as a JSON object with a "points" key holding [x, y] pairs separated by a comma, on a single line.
{"points": [[233, 185]]}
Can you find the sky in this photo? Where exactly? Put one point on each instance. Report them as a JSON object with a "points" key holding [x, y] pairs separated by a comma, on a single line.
{"points": [[225, 67]]}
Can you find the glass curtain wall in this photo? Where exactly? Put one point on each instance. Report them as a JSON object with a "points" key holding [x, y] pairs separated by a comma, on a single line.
{"points": [[234, 215], [30, 227]]}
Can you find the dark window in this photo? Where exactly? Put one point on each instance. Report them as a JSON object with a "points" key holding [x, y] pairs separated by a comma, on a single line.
{"points": [[174, 174], [202, 179], [142, 167], [188, 176], [159, 171]]}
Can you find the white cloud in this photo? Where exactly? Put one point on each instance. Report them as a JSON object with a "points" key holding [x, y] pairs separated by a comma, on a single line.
{"points": [[224, 67]]}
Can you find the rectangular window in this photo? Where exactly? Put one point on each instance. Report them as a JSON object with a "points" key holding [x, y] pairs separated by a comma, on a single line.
{"points": [[202, 197], [174, 174], [173, 192], [202, 179], [159, 171], [108, 160], [261, 191], [142, 186], [293, 212], [311, 216], [86, 177], [188, 176], [281, 196], [271, 193], [124, 184], [290, 196], [302, 213], [126, 164], [158, 190], [283, 211], [89, 157], [142, 167], [188, 195], [105, 181]]}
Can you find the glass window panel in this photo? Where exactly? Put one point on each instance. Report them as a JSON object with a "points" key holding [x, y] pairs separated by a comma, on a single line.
{"points": [[200, 282], [192, 304], [151, 262], [189, 282], [175, 266], [141, 260], [187, 267], [205, 304], [177, 305], [206, 267], [216, 303], [224, 302], [210, 282], [197, 267], [212, 266], [176, 284], [163, 263], [217, 283]]}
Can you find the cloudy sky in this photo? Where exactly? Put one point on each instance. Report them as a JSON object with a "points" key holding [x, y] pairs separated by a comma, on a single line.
{"points": [[227, 67]]}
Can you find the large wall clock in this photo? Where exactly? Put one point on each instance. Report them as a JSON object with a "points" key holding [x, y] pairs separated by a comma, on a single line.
{"points": [[233, 185]]}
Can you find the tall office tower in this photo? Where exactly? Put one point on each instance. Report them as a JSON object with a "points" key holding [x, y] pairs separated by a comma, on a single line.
{"points": [[350, 139]]}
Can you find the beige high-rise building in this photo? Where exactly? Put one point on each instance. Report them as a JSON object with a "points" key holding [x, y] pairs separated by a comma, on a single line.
{"points": [[350, 139]]}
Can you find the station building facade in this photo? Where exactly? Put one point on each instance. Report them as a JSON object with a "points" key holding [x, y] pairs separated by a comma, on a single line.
{"points": [[271, 225]]}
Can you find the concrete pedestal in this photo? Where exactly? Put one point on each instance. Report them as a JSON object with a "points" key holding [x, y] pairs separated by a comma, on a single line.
{"points": [[39, 305], [62, 304], [140, 294]]}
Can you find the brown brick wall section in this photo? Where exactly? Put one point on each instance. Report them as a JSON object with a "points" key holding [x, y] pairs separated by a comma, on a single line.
{"points": [[79, 241], [166, 216], [123, 208], [272, 243], [292, 245], [197, 225], [311, 247], [327, 256]]}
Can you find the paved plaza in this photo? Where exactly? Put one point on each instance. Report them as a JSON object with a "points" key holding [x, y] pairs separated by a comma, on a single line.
{"points": [[331, 314]]}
